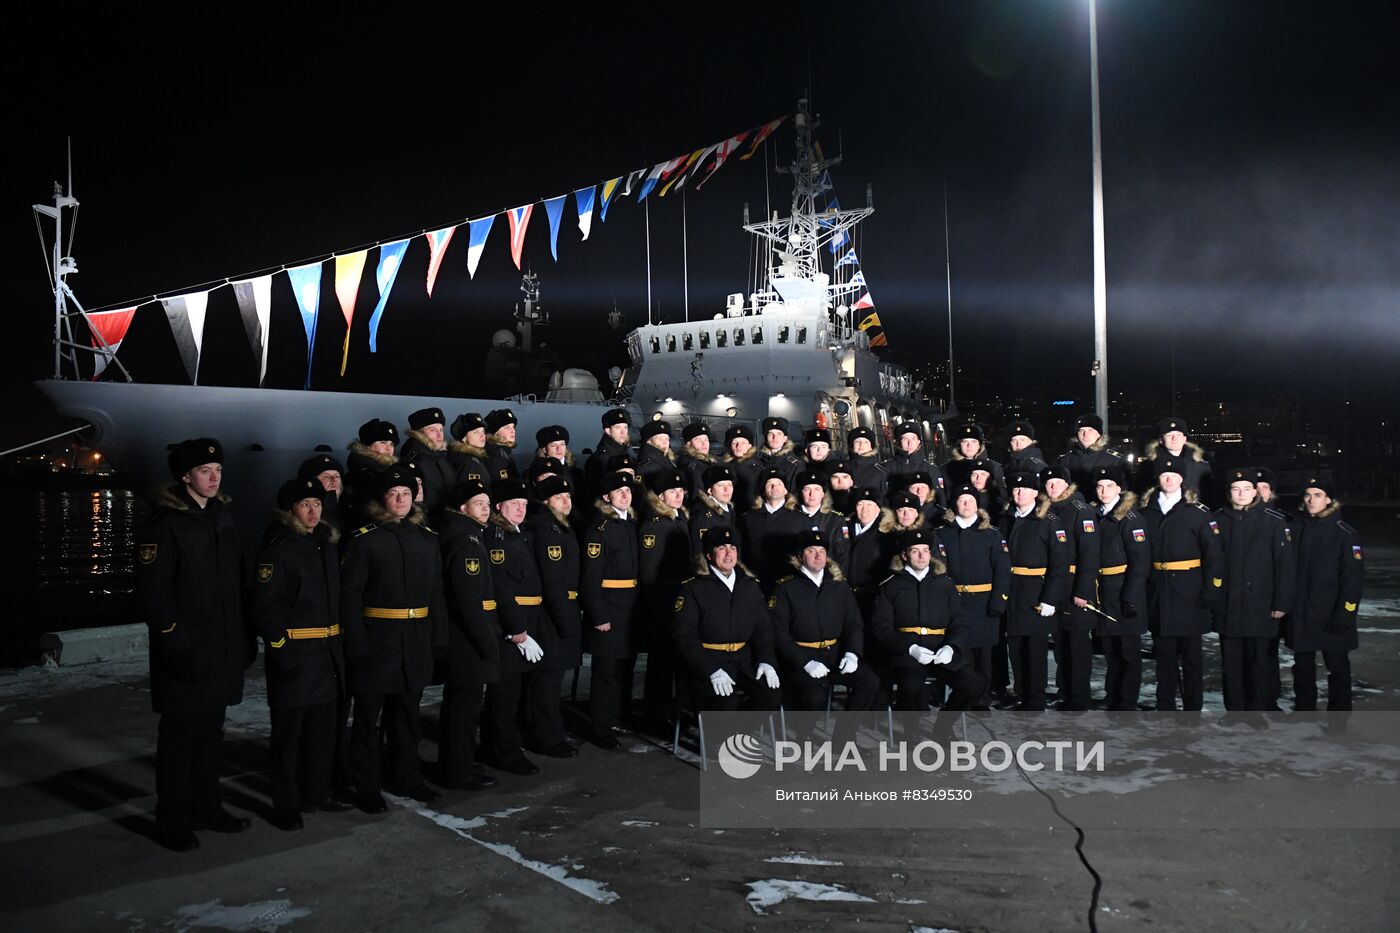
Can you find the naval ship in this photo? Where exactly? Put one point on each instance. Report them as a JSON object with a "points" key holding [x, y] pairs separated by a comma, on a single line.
{"points": [[791, 348]]}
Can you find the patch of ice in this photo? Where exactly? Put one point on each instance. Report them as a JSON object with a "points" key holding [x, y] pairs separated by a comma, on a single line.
{"points": [[640, 823], [909, 900], [262, 916], [770, 892], [800, 860], [932, 930]]}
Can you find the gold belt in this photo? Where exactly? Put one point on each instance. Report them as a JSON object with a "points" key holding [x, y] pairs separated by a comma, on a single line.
{"points": [[1029, 571], [817, 644], [619, 584], [488, 604], [296, 633], [529, 600], [975, 588], [573, 594], [923, 631], [1177, 564], [372, 613], [1072, 568], [1113, 571], [730, 646]]}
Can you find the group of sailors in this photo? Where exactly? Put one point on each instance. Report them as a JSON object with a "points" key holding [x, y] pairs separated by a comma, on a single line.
{"points": [[770, 571]]}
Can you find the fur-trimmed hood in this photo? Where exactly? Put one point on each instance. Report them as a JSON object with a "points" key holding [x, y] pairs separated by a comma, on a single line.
{"points": [[295, 526], [783, 451], [657, 507], [499, 521], [701, 566], [951, 518], [1258, 503], [713, 504], [568, 456], [833, 569], [936, 567], [690, 451], [789, 503], [1197, 454], [609, 513], [981, 452], [826, 508], [1149, 498], [500, 441], [889, 523], [362, 450], [1067, 495], [748, 455], [1325, 513], [668, 453], [1100, 444], [427, 442], [1042, 506], [1126, 503], [381, 516], [560, 517], [470, 450], [171, 496]]}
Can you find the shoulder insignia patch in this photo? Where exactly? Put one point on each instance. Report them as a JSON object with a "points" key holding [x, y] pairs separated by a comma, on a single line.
{"points": [[942, 551], [555, 551], [364, 528], [146, 553], [1203, 508], [473, 566], [1287, 533], [1139, 535], [1088, 526], [680, 602], [498, 555], [1004, 548], [1270, 510], [505, 474], [1214, 527], [1060, 536], [1345, 527], [595, 550], [648, 541], [264, 572], [772, 602], [1356, 551], [785, 579]]}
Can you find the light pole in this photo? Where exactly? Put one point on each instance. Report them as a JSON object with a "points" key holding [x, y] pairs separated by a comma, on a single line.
{"points": [[1100, 369]]}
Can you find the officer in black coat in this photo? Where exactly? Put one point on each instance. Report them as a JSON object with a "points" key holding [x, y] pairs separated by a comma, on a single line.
{"points": [[841, 479], [815, 511], [1331, 568], [979, 566], [467, 452], [654, 456], [1171, 442], [695, 456], [1267, 484], [921, 629], [1187, 581], [723, 633], [1040, 555], [426, 448], [911, 456], [1125, 561], [394, 621], [767, 529], [1259, 572], [330, 473], [500, 445], [555, 540], [1074, 656], [608, 588], [523, 619], [368, 455], [552, 442], [778, 452], [296, 608], [714, 507], [867, 564], [1024, 454], [615, 440], [745, 464], [189, 577], [978, 475], [473, 637], [866, 468], [1088, 451], [818, 632], [927, 488], [816, 449], [664, 560], [971, 447]]}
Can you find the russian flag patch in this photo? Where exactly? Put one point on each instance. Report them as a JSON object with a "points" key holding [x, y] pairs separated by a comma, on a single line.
{"points": [[1356, 551], [1214, 528], [1139, 535], [1088, 526], [1060, 536]]}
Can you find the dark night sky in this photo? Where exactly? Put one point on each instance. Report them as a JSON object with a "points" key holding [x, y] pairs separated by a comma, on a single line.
{"points": [[1252, 171]]}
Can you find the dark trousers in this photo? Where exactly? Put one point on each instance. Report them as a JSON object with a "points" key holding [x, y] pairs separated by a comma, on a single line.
{"points": [[610, 692], [1124, 681], [913, 689], [399, 731], [1305, 680], [1074, 661], [340, 773], [457, 722], [804, 692], [1028, 665], [982, 661], [303, 754], [659, 686], [189, 747], [543, 713], [1244, 668], [1180, 663], [755, 690], [1001, 663], [500, 727]]}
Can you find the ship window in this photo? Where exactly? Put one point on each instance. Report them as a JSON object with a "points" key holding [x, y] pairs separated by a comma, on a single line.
{"points": [[704, 340], [783, 334], [655, 345], [670, 343], [757, 334], [687, 341], [738, 336], [721, 338], [801, 335]]}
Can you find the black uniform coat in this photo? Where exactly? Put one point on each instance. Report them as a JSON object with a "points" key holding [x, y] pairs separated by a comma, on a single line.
{"points": [[597, 466], [907, 602], [1328, 591], [1082, 461], [189, 574], [982, 460], [1026, 460], [803, 611], [1259, 571], [663, 561], [298, 586], [519, 592], [892, 535], [706, 612], [393, 564], [438, 473], [1080, 521], [470, 463], [693, 465], [610, 547], [977, 556], [362, 466], [785, 458], [1123, 541], [1036, 542], [902, 463], [1198, 472], [832, 524], [473, 637], [1179, 602], [708, 513], [746, 486], [500, 460], [867, 470], [557, 556], [867, 564], [767, 540], [651, 461]]}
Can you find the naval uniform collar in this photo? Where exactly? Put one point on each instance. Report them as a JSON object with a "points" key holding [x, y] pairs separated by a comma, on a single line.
{"points": [[815, 577], [729, 580], [917, 574], [965, 523], [1107, 507]]}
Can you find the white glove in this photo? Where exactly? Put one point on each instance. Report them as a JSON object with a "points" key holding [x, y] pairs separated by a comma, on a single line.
{"points": [[769, 675], [1045, 609], [816, 669], [722, 682], [920, 653], [531, 649], [849, 663], [943, 655]]}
